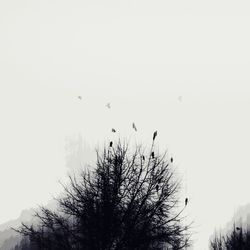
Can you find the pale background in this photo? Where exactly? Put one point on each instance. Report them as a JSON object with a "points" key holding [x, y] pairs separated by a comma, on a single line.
{"points": [[141, 56]]}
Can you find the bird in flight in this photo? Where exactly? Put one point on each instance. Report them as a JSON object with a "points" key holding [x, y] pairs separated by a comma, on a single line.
{"points": [[186, 201], [134, 127], [154, 135], [113, 130], [111, 144], [108, 105]]}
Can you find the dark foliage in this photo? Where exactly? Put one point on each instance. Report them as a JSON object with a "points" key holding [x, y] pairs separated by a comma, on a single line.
{"points": [[237, 239], [25, 244], [129, 201]]}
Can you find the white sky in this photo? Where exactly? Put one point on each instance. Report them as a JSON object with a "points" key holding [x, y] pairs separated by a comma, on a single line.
{"points": [[141, 56]]}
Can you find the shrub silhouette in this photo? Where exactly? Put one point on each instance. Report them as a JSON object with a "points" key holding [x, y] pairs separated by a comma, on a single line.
{"points": [[237, 239]]}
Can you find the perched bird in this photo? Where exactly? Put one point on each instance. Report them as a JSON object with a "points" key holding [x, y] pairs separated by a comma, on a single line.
{"points": [[134, 127], [113, 130], [171, 159], [157, 188], [79, 97], [143, 157], [238, 228], [186, 201], [108, 105], [153, 154], [111, 144], [154, 135]]}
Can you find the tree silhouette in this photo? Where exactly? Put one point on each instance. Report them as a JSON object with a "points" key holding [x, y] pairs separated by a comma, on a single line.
{"points": [[25, 244], [217, 243], [237, 239], [128, 201]]}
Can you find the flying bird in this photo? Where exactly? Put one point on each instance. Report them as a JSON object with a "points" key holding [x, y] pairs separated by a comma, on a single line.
{"points": [[134, 127], [113, 130], [186, 201], [108, 105], [153, 154], [154, 135], [111, 144]]}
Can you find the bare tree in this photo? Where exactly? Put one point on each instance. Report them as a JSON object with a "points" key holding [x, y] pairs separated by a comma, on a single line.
{"points": [[128, 201]]}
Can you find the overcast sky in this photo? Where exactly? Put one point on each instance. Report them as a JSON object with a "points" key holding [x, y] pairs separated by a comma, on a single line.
{"points": [[141, 56]]}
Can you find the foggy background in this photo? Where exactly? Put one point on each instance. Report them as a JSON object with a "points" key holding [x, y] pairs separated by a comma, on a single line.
{"points": [[179, 67]]}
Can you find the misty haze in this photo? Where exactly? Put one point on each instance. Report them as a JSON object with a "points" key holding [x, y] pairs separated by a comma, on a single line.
{"points": [[124, 125]]}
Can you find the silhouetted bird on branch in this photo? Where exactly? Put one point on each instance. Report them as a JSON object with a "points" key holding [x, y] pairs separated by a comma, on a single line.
{"points": [[134, 127], [111, 144], [238, 228], [113, 130], [153, 155], [157, 188], [171, 159], [186, 201], [143, 157], [154, 135]]}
